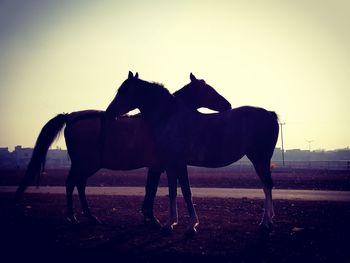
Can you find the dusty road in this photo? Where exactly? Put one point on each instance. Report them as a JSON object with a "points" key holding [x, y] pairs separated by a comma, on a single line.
{"points": [[238, 193]]}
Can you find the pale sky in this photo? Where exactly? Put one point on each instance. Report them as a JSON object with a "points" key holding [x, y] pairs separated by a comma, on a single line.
{"points": [[292, 57]]}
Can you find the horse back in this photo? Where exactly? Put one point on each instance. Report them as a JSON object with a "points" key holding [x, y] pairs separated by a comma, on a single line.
{"points": [[121, 144], [83, 140], [129, 144], [220, 139]]}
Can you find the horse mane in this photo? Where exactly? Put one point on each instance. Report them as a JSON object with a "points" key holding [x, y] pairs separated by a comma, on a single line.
{"points": [[156, 86], [157, 90], [158, 98]]}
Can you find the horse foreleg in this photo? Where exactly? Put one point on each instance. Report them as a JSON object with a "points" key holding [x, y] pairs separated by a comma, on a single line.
{"points": [[186, 192], [69, 195], [81, 185], [148, 203], [173, 215]]}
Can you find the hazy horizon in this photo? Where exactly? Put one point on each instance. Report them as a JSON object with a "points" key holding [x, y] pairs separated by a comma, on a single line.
{"points": [[290, 57], [58, 147]]}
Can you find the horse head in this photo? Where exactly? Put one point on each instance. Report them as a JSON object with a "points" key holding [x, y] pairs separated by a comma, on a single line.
{"points": [[199, 94], [124, 100]]}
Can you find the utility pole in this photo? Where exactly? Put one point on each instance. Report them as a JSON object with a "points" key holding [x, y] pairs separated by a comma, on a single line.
{"points": [[309, 141], [281, 124]]}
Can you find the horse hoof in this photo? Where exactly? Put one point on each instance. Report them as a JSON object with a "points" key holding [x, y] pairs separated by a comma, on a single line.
{"points": [[266, 227], [72, 220], [152, 222], [167, 230], [191, 232], [94, 220]]}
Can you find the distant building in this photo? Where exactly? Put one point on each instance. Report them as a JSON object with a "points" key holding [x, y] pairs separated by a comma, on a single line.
{"points": [[20, 157], [57, 158], [4, 150], [297, 155], [277, 154], [6, 159]]}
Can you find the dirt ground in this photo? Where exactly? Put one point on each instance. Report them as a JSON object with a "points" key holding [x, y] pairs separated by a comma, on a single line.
{"points": [[228, 230]]}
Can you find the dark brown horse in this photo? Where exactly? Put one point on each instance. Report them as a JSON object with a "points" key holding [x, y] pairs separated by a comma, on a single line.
{"points": [[93, 142], [184, 137]]}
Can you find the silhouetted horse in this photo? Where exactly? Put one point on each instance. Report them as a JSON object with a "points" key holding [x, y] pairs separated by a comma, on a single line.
{"points": [[93, 142], [188, 137]]}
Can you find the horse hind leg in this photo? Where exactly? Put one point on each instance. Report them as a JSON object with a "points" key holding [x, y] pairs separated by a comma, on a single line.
{"points": [[269, 213], [81, 186], [262, 168], [70, 185]]}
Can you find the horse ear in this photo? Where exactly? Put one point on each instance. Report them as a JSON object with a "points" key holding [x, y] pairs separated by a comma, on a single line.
{"points": [[130, 76], [192, 77], [136, 75]]}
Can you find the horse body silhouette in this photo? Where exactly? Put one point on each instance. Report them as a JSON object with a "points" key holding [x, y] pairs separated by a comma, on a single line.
{"points": [[183, 137], [94, 142]]}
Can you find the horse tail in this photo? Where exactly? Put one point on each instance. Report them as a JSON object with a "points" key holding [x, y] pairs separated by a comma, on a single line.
{"points": [[276, 128], [47, 135], [274, 115]]}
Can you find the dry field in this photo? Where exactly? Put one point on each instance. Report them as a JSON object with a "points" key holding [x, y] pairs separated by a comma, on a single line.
{"points": [[228, 232]]}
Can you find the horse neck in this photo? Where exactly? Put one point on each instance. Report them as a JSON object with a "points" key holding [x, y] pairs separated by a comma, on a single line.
{"points": [[157, 104], [188, 99]]}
